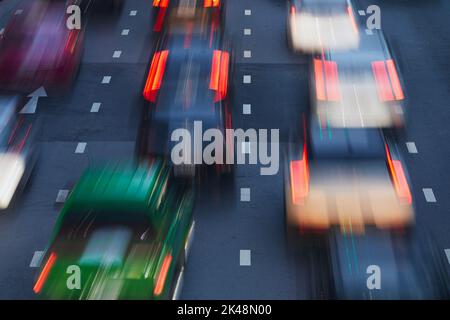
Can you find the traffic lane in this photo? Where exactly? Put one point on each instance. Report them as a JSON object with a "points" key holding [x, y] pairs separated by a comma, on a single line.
{"points": [[27, 227], [225, 225], [267, 40], [278, 95], [420, 37], [119, 104], [128, 31]]}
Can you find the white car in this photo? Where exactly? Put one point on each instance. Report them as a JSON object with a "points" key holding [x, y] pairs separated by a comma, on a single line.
{"points": [[313, 25], [18, 150]]}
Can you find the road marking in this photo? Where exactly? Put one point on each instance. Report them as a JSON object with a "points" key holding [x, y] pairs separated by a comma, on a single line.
{"points": [[106, 79], [247, 53], [62, 196], [447, 253], [81, 146], [36, 260], [248, 12], [179, 285], [245, 258], [117, 54], [133, 12], [95, 107], [125, 32], [2, 30], [361, 12], [247, 32], [18, 11], [245, 194], [411, 147], [247, 79], [429, 194], [247, 108]]}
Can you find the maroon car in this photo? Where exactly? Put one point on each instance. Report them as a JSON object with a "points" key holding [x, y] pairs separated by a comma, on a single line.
{"points": [[38, 49]]}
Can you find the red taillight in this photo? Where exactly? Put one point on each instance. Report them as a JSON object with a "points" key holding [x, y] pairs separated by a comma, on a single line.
{"points": [[219, 74], [352, 18], [293, 10], [327, 80], [211, 3], [155, 75], [398, 178], [161, 3], [160, 19], [388, 83], [300, 178], [44, 274], [398, 92], [159, 287]]}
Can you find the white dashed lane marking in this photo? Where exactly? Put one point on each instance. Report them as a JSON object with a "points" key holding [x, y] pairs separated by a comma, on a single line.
{"points": [[247, 32], [117, 54], [248, 12], [429, 195], [245, 258], [62, 196], [81, 147], [247, 53], [411, 146], [95, 107], [133, 13], [245, 194], [125, 32], [106, 79], [247, 79], [36, 260], [247, 108]]}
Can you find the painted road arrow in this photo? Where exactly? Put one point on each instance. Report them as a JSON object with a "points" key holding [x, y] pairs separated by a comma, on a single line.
{"points": [[31, 105]]}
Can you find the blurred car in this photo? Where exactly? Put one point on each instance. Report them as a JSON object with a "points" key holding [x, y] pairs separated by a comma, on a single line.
{"points": [[212, 10], [380, 265], [18, 149], [187, 82], [127, 228], [358, 88], [313, 25], [37, 49], [348, 178]]}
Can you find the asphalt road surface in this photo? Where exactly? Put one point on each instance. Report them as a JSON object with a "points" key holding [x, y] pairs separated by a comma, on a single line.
{"points": [[278, 94]]}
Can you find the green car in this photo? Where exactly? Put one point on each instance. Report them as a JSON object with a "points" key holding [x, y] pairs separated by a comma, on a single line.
{"points": [[123, 233]]}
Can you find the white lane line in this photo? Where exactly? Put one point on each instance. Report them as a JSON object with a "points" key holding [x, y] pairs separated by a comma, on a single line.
{"points": [[247, 53], [447, 253], [179, 285], [429, 194], [18, 11], [36, 260], [62, 196], [247, 32], [247, 108], [81, 147], [361, 12], [125, 32], [411, 146], [133, 13], [95, 107], [106, 79], [117, 54], [247, 79], [248, 12], [245, 194], [245, 258]]}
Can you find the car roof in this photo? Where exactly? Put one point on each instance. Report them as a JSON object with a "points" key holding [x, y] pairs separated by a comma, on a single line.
{"points": [[346, 143], [371, 48]]}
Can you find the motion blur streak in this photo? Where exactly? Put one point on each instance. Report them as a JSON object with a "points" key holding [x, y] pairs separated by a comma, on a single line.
{"points": [[43, 276]]}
